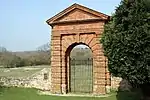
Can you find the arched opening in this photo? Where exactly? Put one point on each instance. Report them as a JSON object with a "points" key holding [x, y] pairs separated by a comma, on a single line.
{"points": [[80, 68]]}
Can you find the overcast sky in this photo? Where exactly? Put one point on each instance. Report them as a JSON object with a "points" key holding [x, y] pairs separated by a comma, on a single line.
{"points": [[22, 22]]}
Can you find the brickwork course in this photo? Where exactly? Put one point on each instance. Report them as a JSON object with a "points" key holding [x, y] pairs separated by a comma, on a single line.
{"points": [[73, 26]]}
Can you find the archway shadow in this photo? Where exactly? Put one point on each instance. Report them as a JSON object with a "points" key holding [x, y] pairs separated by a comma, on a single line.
{"points": [[126, 92]]}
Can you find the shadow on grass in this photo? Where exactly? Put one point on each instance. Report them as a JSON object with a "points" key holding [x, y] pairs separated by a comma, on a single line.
{"points": [[3, 89], [127, 94]]}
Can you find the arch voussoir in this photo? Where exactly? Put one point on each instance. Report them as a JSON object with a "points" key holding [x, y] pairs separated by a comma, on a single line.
{"points": [[89, 39]]}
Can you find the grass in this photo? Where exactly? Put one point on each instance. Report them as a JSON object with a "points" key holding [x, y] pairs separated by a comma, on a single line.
{"points": [[14, 93], [21, 72], [31, 94]]}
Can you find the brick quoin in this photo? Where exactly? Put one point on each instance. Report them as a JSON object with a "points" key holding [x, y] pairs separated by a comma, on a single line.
{"points": [[73, 26]]}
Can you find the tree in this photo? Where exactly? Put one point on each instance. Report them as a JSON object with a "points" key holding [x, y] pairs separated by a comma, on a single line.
{"points": [[9, 60], [126, 43], [44, 47], [44, 54], [2, 49]]}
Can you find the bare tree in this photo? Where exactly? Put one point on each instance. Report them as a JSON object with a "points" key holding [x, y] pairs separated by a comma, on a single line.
{"points": [[44, 47], [44, 54], [2, 49]]}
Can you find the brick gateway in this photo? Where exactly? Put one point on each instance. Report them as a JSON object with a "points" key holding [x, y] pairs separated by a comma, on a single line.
{"points": [[74, 26]]}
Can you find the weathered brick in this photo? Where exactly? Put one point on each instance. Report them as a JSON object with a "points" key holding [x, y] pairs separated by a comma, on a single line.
{"points": [[100, 89], [56, 37], [55, 69], [55, 75], [63, 80], [100, 64], [108, 75], [63, 69], [56, 80], [55, 42], [55, 53], [63, 53], [83, 38], [108, 82], [100, 81], [107, 70], [99, 69], [56, 88], [63, 74], [89, 39], [101, 58], [56, 48], [55, 58], [63, 63], [56, 63], [99, 75], [93, 42], [97, 47]]}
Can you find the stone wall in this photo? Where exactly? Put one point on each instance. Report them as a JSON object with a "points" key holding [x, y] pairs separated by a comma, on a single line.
{"points": [[40, 80], [118, 83]]}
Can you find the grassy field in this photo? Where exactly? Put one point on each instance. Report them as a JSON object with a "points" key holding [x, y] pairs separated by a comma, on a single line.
{"points": [[13, 93], [21, 72], [32, 94]]}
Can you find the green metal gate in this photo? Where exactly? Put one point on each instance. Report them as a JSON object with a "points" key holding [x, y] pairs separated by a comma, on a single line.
{"points": [[81, 75]]}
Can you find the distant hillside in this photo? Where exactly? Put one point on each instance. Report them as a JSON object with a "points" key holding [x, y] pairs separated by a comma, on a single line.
{"points": [[25, 54], [76, 52]]}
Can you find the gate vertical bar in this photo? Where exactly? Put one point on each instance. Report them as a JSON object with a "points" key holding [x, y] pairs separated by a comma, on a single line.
{"points": [[81, 75]]}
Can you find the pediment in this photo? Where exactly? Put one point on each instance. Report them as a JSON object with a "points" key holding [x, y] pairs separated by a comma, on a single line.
{"points": [[75, 13]]}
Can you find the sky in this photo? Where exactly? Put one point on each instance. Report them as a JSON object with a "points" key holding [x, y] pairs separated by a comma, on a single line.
{"points": [[23, 24]]}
